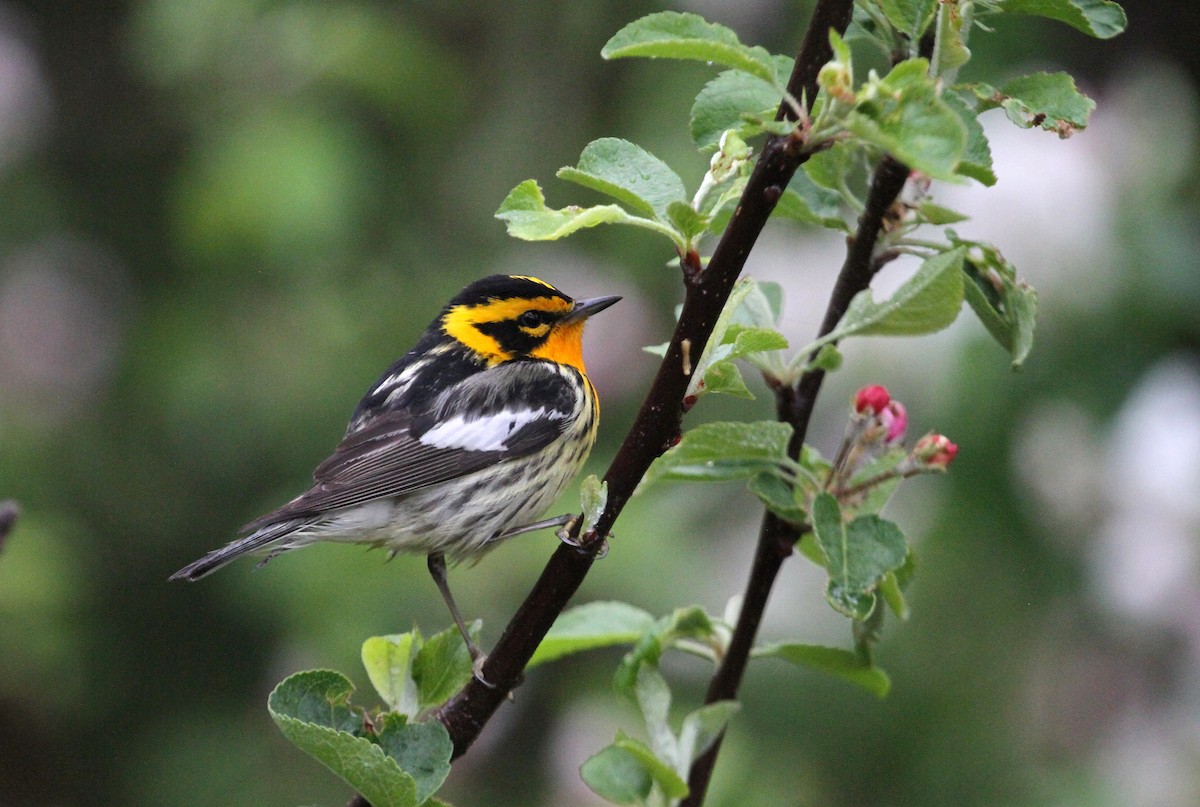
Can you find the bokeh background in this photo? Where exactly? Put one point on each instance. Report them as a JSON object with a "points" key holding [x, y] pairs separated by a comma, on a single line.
{"points": [[221, 219]]}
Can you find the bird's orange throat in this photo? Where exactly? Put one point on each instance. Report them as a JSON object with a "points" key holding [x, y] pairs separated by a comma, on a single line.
{"points": [[564, 346]]}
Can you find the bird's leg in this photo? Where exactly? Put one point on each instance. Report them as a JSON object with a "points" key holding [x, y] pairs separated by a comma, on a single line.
{"points": [[437, 570], [545, 523]]}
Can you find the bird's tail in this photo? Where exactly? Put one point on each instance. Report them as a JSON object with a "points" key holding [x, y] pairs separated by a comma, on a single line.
{"points": [[254, 542]]}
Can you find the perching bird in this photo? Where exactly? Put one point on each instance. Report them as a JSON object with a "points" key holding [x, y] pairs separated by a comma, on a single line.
{"points": [[459, 444]]}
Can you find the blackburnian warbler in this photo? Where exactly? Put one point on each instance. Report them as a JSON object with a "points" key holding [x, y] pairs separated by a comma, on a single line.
{"points": [[459, 444]]}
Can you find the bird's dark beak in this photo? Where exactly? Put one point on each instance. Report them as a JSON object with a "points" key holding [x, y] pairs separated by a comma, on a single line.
{"points": [[585, 308]]}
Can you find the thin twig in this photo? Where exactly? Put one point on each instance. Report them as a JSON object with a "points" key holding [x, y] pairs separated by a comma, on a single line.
{"points": [[795, 406]]}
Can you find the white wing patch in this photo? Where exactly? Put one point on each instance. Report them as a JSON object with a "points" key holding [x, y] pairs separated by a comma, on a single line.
{"points": [[488, 433]]}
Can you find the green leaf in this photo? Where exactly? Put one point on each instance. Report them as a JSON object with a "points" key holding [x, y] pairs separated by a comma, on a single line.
{"points": [[911, 17], [701, 729], [724, 451], [423, 751], [927, 302], [318, 697], [1097, 18], [938, 215], [683, 623], [742, 331], [1005, 306], [590, 626], [526, 216], [724, 377], [893, 595], [593, 498], [684, 218], [829, 168], [734, 100], [654, 699], [312, 710], [903, 114], [951, 52], [976, 162], [842, 663], [1048, 100], [388, 661], [671, 35], [669, 782], [859, 554], [442, 666], [629, 174], [809, 203], [773, 491], [617, 775]]}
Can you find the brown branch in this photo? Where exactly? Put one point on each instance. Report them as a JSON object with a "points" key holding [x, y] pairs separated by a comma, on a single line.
{"points": [[657, 424], [794, 405]]}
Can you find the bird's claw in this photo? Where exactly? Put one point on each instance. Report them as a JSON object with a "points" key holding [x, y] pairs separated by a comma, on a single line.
{"points": [[564, 534], [477, 670]]}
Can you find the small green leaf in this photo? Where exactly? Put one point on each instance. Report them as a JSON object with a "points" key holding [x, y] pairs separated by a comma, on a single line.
{"points": [[777, 495], [829, 168], [893, 595], [927, 302], [593, 498], [317, 697], [629, 174], [809, 203], [724, 377], [904, 115], [739, 333], [828, 358], [423, 751], [951, 52], [1048, 100], [312, 710], [835, 661], [442, 666], [683, 623], [1005, 306], [672, 35], [669, 782], [911, 17], [526, 216], [388, 661], [724, 451], [938, 215], [1021, 302], [654, 699], [686, 220], [1097, 18], [701, 729], [976, 162], [859, 554], [590, 626], [734, 100], [617, 775]]}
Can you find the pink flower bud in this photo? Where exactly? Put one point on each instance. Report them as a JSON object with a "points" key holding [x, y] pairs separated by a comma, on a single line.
{"points": [[894, 417], [871, 400], [935, 450]]}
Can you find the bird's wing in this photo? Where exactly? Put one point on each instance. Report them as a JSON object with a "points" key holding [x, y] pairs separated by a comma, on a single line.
{"points": [[502, 413]]}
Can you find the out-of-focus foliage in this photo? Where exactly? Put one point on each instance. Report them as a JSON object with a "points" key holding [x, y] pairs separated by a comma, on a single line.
{"points": [[224, 218]]}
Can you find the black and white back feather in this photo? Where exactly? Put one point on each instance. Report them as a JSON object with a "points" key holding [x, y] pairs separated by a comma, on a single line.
{"points": [[399, 443]]}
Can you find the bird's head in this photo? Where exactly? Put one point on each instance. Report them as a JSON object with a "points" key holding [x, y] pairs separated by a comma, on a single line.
{"points": [[506, 317]]}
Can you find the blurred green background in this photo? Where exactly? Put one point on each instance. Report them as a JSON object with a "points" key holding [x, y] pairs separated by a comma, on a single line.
{"points": [[223, 218]]}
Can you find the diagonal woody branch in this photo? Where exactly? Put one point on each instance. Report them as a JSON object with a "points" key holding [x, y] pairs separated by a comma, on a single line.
{"points": [[658, 421]]}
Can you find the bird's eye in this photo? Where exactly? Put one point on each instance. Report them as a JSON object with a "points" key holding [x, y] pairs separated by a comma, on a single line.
{"points": [[531, 319]]}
